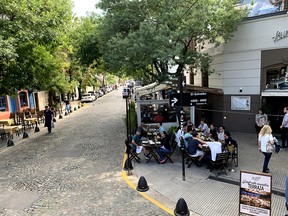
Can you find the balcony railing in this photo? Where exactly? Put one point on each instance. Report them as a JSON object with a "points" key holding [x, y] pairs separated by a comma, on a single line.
{"points": [[264, 7]]}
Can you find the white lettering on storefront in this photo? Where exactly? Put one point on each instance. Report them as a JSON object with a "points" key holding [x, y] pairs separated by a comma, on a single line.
{"points": [[280, 35]]}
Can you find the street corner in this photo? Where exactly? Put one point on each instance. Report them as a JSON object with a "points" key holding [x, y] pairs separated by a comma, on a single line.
{"points": [[151, 195]]}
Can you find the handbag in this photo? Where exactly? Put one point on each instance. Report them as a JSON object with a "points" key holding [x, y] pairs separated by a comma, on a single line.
{"points": [[270, 148]]}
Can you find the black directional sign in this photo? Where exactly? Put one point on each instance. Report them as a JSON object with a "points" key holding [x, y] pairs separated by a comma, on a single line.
{"points": [[174, 81], [188, 99]]}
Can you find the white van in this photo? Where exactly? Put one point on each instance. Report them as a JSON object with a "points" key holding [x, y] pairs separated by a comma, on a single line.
{"points": [[126, 92]]}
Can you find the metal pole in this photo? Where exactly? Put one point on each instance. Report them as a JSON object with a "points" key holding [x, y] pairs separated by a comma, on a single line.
{"points": [[127, 130], [182, 122]]}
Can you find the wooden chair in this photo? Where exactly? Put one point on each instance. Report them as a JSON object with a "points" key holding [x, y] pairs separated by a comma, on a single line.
{"points": [[173, 145], [132, 154], [189, 159], [220, 163], [40, 116], [13, 116], [233, 153]]}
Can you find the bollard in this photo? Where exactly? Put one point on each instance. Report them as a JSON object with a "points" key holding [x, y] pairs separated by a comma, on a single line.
{"points": [[37, 129], [75, 108], [25, 135], [10, 142], [66, 113], [126, 166], [142, 185], [60, 116], [181, 208], [79, 106]]}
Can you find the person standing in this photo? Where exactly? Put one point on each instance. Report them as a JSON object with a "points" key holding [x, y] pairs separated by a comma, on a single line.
{"points": [[284, 129], [265, 137], [67, 105], [48, 118], [260, 120]]}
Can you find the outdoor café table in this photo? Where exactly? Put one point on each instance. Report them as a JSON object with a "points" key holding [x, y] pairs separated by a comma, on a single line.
{"points": [[152, 135], [10, 130], [31, 121], [6, 122], [151, 147]]}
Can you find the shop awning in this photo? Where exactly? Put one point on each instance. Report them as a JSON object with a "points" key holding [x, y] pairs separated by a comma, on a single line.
{"points": [[275, 93], [204, 89], [153, 87]]}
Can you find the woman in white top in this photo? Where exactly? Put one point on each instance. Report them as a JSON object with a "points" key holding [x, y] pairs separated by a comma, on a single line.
{"points": [[265, 137]]}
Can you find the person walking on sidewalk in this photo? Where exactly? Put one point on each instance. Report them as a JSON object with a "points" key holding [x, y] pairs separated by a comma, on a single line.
{"points": [[265, 137], [48, 118], [67, 105], [284, 129], [260, 120]]}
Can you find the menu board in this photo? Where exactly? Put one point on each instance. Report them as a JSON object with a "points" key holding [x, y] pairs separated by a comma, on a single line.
{"points": [[255, 193]]}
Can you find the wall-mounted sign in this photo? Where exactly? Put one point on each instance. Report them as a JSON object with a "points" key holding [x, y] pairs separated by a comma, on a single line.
{"points": [[240, 102], [255, 193], [280, 35]]}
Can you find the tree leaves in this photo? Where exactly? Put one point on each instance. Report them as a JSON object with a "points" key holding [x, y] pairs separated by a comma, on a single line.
{"points": [[137, 34]]}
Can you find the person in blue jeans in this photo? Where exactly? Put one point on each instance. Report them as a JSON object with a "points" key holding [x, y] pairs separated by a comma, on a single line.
{"points": [[165, 147], [265, 137]]}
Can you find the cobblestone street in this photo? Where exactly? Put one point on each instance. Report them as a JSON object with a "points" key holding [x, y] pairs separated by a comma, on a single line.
{"points": [[75, 170]]}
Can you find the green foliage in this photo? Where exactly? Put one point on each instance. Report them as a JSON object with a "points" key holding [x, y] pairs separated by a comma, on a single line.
{"points": [[172, 130], [132, 117], [85, 59], [31, 41], [136, 34]]}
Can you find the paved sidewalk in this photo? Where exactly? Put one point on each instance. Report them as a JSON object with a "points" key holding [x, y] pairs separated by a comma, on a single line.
{"points": [[205, 195]]}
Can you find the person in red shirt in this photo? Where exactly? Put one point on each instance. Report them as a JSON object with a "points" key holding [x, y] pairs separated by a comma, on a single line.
{"points": [[158, 118]]}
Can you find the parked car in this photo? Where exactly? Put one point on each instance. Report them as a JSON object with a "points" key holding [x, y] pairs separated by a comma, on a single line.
{"points": [[100, 92], [94, 93], [87, 97], [126, 92]]}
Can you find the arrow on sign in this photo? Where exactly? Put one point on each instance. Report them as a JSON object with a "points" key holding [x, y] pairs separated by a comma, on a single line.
{"points": [[183, 83], [174, 101]]}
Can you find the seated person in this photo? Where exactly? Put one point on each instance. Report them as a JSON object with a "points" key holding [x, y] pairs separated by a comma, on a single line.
{"points": [[213, 132], [143, 129], [203, 127], [228, 139], [215, 147], [160, 127], [221, 137], [194, 146], [136, 142], [187, 133], [178, 135], [165, 147]]}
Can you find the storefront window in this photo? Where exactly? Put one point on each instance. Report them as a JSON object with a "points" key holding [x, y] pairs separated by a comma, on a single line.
{"points": [[23, 99], [261, 7], [277, 78], [153, 113], [2, 104]]}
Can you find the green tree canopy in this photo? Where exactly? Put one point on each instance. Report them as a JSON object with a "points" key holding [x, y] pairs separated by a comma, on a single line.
{"points": [[137, 34], [32, 42]]}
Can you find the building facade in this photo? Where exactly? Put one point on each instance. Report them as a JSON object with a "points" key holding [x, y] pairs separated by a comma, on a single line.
{"points": [[252, 71]]}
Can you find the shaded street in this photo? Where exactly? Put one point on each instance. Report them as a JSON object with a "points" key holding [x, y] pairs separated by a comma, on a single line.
{"points": [[75, 170]]}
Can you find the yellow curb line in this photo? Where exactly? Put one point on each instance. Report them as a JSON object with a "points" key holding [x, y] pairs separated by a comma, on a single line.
{"points": [[155, 202]]}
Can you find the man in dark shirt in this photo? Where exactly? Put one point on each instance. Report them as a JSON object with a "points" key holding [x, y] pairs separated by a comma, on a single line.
{"points": [[228, 139], [136, 142], [194, 146], [48, 118]]}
